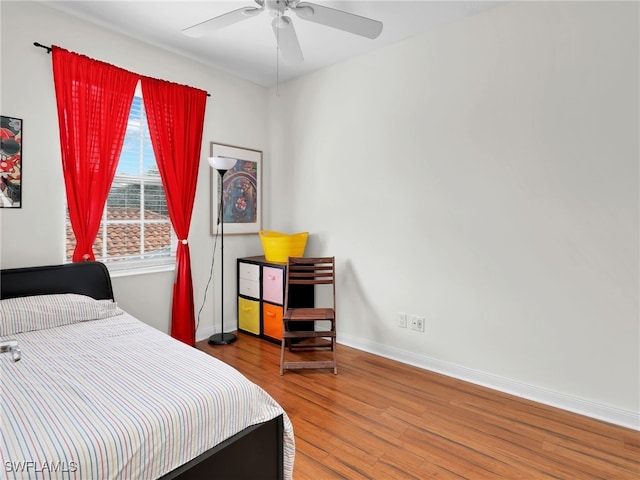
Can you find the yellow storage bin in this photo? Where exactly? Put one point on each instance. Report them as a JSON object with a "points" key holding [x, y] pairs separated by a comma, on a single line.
{"points": [[278, 247], [249, 315]]}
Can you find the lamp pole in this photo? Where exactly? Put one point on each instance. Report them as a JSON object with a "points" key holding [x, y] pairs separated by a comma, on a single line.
{"points": [[222, 165]]}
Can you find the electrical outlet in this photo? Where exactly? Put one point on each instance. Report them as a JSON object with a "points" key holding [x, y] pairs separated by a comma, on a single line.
{"points": [[402, 320], [417, 323]]}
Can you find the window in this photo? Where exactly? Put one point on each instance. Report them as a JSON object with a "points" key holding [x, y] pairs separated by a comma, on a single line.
{"points": [[135, 231]]}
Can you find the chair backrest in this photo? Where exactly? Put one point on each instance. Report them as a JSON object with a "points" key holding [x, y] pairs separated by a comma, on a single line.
{"points": [[310, 271]]}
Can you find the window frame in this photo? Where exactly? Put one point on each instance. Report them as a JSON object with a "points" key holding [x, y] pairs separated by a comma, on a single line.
{"points": [[132, 264]]}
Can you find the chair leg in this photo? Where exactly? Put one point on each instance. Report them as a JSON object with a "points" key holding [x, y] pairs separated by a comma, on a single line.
{"points": [[335, 360], [282, 348]]}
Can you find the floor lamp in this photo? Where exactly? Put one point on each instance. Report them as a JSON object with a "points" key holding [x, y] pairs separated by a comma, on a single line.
{"points": [[222, 164]]}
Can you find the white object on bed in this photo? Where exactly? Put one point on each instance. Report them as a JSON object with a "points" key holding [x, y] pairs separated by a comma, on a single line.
{"points": [[11, 346], [117, 399]]}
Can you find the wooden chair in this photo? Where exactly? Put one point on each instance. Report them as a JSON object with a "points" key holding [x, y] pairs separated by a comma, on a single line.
{"points": [[310, 329]]}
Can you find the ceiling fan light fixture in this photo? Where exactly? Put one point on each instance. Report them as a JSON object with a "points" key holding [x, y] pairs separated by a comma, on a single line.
{"points": [[282, 22]]}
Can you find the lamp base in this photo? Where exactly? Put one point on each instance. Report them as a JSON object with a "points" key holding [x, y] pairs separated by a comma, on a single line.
{"points": [[222, 338]]}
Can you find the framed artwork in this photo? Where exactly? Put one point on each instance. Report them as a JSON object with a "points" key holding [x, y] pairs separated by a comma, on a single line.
{"points": [[10, 162], [241, 191]]}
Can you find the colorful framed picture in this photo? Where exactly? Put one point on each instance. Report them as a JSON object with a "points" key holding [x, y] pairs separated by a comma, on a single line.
{"points": [[241, 187], [10, 162]]}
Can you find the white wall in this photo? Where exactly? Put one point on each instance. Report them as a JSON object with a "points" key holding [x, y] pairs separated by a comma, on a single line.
{"points": [[34, 234], [485, 176]]}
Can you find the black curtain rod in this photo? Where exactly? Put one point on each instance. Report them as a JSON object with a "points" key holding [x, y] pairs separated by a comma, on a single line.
{"points": [[48, 49]]}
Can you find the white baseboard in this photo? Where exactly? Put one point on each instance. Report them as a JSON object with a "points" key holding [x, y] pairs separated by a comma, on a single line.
{"points": [[548, 397], [204, 332]]}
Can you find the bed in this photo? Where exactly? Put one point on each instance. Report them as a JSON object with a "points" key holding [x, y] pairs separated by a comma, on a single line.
{"points": [[98, 394]]}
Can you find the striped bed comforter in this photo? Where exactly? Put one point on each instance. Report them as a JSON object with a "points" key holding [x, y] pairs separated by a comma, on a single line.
{"points": [[117, 399]]}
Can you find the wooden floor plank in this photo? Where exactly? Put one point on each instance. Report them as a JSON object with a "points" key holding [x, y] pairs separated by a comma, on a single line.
{"points": [[380, 419]]}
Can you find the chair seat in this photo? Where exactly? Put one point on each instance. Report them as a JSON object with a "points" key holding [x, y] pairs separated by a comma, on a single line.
{"points": [[306, 314]]}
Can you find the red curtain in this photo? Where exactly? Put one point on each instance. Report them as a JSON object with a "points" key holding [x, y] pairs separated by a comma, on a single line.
{"points": [[94, 99], [175, 114]]}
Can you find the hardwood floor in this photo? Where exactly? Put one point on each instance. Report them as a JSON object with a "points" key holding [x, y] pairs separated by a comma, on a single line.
{"points": [[380, 419]]}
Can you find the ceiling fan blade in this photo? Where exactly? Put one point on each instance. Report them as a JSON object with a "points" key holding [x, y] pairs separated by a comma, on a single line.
{"points": [[339, 19], [216, 23], [287, 40]]}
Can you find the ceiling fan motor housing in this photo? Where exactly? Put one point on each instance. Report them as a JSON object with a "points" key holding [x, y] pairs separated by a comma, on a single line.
{"points": [[275, 8]]}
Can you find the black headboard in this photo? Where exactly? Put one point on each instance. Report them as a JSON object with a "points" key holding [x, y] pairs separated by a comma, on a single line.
{"points": [[85, 278]]}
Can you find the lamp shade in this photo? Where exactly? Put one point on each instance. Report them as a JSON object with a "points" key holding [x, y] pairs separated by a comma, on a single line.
{"points": [[222, 163]]}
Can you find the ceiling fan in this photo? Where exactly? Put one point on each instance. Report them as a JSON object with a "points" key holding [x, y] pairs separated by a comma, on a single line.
{"points": [[283, 28]]}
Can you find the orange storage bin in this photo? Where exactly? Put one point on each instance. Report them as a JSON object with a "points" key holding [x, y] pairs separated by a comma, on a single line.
{"points": [[272, 321]]}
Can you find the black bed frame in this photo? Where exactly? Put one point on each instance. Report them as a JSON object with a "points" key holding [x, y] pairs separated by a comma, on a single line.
{"points": [[254, 453]]}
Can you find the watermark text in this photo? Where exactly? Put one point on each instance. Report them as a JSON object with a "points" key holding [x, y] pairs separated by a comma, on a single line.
{"points": [[26, 466]]}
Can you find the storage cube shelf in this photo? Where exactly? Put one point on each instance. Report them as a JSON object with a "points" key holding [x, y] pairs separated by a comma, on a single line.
{"points": [[261, 287]]}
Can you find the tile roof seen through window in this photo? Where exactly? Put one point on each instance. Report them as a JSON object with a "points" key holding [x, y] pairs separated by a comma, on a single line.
{"points": [[124, 238]]}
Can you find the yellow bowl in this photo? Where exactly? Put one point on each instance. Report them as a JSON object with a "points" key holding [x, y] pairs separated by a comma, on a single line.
{"points": [[278, 247]]}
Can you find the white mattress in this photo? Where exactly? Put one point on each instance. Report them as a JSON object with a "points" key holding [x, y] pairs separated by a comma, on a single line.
{"points": [[117, 399]]}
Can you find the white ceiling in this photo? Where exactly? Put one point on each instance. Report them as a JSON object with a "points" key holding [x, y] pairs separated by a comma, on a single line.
{"points": [[248, 49]]}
